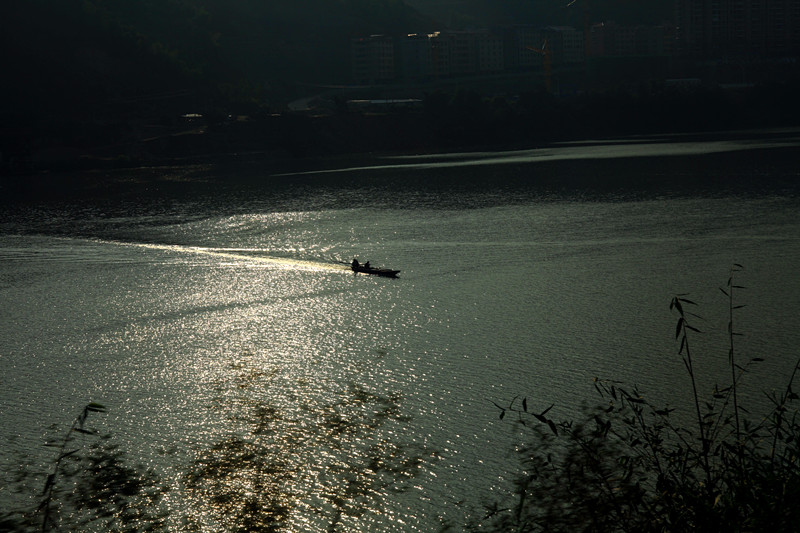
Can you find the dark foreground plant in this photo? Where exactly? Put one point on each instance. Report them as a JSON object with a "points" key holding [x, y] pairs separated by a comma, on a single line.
{"points": [[629, 465], [319, 465], [90, 488]]}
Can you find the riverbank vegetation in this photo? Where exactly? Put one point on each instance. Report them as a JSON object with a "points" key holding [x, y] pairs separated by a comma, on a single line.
{"points": [[629, 464]]}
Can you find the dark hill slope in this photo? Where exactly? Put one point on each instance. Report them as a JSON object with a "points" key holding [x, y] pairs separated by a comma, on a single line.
{"points": [[66, 55]]}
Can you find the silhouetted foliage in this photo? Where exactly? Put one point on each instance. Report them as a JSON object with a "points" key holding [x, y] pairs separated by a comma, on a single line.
{"points": [[91, 487], [629, 465], [329, 463]]}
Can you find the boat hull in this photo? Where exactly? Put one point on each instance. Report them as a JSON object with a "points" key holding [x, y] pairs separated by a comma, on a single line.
{"points": [[384, 272]]}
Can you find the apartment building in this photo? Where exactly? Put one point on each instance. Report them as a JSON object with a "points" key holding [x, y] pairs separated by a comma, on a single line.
{"points": [[738, 28], [529, 46], [441, 64], [461, 53], [608, 39], [373, 59], [567, 44], [416, 56], [491, 57]]}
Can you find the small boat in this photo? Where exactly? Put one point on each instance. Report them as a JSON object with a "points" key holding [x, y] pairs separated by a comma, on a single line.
{"points": [[385, 272]]}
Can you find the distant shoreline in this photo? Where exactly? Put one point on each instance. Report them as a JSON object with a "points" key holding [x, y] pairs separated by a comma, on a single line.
{"points": [[775, 167]]}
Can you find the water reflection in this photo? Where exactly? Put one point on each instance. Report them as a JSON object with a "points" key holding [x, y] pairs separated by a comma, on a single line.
{"points": [[310, 465]]}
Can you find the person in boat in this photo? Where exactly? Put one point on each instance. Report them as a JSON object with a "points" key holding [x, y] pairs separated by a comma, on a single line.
{"points": [[366, 265], [354, 264]]}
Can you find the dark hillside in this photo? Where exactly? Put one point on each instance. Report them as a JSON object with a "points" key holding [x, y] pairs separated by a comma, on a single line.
{"points": [[76, 52], [59, 60]]}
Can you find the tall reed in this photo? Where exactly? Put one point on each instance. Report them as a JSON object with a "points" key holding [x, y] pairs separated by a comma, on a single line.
{"points": [[628, 464]]}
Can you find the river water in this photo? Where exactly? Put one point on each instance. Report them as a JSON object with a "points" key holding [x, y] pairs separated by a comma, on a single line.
{"points": [[191, 310]]}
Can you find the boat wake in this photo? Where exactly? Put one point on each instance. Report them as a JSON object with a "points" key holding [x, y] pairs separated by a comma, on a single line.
{"points": [[252, 256]]}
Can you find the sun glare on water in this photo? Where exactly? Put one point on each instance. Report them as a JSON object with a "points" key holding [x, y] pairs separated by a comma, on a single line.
{"points": [[244, 255]]}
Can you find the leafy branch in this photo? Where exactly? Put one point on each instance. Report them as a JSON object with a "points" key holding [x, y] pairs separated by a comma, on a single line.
{"points": [[77, 428]]}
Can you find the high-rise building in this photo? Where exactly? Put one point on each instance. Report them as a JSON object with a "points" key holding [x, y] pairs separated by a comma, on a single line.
{"points": [[608, 39], [490, 52], [373, 59], [738, 28], [416, 58], [440, 54], [532, 46], [567, 44]]}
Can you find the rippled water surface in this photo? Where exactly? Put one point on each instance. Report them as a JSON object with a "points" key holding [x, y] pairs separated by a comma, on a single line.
{"points": [[199, 319]]}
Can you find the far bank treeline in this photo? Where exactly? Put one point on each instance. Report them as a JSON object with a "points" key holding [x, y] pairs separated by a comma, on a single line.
{"points": [[467, 119], [463, 119]]}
